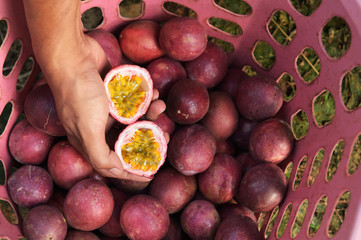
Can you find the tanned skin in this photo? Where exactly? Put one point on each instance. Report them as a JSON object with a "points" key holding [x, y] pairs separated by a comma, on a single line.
{"points": [[72, 64]]}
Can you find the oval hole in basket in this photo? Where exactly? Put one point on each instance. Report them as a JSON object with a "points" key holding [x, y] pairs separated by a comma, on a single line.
{"points": [[284, 221], [264, 55], [317, 216], [336, 37], [335, 159], [300, 124], [271, 222], [306, 8], [179, 10], [282, 27], [323, 108], [228, 27], [300, 217], [131, 8], [316, 165], [239, 7], [250, 71], [300, 171], [5, 116], [351, 89], [226, 46], [355, 157], [12, 57], [288, 170], [339, 213], [308, 65], [92, 18], [288, 86], [25, 73], [8, 212], [2, 173], [3, 30]]}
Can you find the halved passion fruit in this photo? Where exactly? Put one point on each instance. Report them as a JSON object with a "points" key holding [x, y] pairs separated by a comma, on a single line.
{"points": [[142, 148], [130, 91]]}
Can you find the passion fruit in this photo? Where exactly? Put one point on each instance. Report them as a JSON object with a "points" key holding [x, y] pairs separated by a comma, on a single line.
{"points": [[139, 41], [183, 38], [142, 148], [187, 102], [130, 90]]}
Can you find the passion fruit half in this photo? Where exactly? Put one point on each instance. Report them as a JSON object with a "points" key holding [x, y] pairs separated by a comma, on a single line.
{"points": [[142, 148], [130, 90]]}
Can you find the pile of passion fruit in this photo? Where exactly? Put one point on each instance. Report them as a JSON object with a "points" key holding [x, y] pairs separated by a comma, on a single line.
{"points": [[216, 174]]}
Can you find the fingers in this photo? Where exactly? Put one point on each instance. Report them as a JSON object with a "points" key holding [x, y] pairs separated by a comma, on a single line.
{"points": [[155, 109]]}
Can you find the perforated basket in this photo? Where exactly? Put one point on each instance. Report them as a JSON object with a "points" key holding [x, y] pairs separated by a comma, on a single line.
{"points": [[322, 194]]}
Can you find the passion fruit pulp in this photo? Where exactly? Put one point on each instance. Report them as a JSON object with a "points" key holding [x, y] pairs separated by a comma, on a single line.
{"points": [[130, 90], [142, 148]]}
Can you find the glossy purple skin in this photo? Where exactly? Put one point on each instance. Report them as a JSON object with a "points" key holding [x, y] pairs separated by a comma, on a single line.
{"points": [[112, 227], [220, 182], [44, 222], [242, 133], [210, 67], [258, 98], [262, 188], [200, 219], [246, 162], [139, 41], [144, 217], [129, 186], [110, 45], [238, 227], [191, 149], [28, 145], [173, 189], [231, 81], [30, 186], [230, 209], [81, 235], [221, 118], [271, 141], [165, 123], [187, 102], [183, 38], [88, 205], [165, 72], [40, 111]]}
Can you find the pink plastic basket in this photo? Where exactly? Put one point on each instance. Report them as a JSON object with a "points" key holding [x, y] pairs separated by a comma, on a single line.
{"points": [[344, 126]]}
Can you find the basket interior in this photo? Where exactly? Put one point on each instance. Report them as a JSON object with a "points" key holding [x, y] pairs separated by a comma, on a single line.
{"points": [[315, 60]]}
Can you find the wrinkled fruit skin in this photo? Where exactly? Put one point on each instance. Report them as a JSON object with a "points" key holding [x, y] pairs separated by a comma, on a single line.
{"points": [[210, 67], [28, 145], [271, 141], [88, 205], [221, 118], [143, 217], [139, 41], [262, 188], [40, 111], [238, 227], [173, 189], [258, 98], [67, 166], [183, 38], [165, 72], [30, 186], [200, 219], [44, 222], [110, 45], [191, 149], [187, 102], [220, 182]]}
